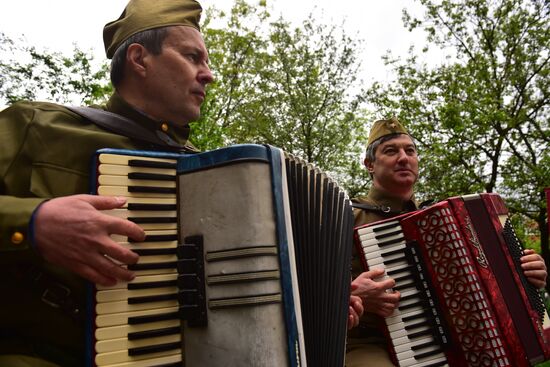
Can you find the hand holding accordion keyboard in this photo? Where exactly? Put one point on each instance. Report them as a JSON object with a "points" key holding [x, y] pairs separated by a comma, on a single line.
{"points": [[246, 261], [454, 308]]}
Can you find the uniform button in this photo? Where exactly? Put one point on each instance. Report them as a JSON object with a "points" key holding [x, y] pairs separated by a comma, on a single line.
{"points": [[164, 127], [17, 238]]}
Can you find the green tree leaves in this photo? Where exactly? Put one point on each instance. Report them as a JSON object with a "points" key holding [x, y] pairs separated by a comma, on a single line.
{"points": [[27, 73], [482, 116], [295, 88]]}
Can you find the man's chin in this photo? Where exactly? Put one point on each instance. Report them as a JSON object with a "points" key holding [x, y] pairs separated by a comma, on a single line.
{"points": [[406, 181]]}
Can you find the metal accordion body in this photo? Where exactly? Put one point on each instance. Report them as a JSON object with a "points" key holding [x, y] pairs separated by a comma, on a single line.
{"points": [[246, 261], [465, 300]]}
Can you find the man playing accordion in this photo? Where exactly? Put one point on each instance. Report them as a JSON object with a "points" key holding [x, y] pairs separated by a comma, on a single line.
{"points": [[392, 162], [53, 236]]}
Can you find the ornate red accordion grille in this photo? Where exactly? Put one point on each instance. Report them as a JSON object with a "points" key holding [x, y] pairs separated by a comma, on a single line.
{"points": [[458, 285]]}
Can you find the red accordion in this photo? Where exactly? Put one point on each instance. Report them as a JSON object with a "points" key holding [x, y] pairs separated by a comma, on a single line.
{"points": [[464, 299]]}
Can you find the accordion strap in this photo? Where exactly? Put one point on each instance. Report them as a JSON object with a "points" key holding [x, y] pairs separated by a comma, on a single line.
{"points": [[123, 126], [385, 210]]}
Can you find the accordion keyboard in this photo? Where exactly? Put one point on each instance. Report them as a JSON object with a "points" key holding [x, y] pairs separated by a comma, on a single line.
{"points": [[414, 336], [137, 323]]}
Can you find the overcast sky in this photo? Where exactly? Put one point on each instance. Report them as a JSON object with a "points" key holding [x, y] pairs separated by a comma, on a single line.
{"points": [[57, 24]]}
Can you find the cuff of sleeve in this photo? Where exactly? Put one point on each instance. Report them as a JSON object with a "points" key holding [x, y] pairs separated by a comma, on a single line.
{"points": [[32, 238], [15, 216]]}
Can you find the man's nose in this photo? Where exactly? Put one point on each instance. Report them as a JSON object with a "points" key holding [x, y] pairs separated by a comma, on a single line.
{"points": [[205, 75], [402, 155]]}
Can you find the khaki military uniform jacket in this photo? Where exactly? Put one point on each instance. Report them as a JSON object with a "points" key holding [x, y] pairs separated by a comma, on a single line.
{"points": [[45, 152], [381, 207]]}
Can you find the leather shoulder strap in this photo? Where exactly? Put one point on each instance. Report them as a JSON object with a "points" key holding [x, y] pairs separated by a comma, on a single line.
{"points": [[385, 210], [123, 126]]}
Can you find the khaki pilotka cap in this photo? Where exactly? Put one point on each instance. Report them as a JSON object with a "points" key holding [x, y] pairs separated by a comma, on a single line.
{"points": [[382, 128], [141, 15]]}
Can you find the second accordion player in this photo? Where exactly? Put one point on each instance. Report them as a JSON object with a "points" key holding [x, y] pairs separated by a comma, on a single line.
{"points": [[464, 298], [245, 262]]}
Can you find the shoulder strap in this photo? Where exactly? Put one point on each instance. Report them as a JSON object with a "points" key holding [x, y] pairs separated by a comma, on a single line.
{"points": [[123, 126], [426, 203], [385, 210]]}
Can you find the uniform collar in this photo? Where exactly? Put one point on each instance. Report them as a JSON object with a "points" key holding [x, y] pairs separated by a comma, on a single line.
{"points": [[177, 132], [382, 199]]}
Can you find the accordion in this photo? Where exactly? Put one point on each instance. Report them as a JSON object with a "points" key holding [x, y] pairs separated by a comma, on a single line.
{"points": [[464, 298], [245, 262]]}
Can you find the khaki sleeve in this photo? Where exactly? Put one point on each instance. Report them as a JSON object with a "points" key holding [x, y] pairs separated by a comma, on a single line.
{"points": [[15, 212]]}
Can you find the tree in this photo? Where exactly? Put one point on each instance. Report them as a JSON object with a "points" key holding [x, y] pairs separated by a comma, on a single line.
{"points": [[481, 117], [295, 88], [30, 74]]}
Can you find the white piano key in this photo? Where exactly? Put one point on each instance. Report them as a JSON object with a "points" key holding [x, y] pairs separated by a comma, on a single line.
{"points": [[155, 272], [388, 268], [142, 200], [115, 169], [423, 362], [123, 191], [122, 318], [411, 292], [124, 159], [125, 213], [124, 239], [105, 359], [374, 249], [408, 346], [140, 279], [380, 242], [113, 308], [403, 336], [407, 354], [399, 316], [384, 253], [113, 295], [116, 180], [151, 362], [123, 344], [392, 225], [157, 259], [149, 244], [375, 261], [122, 331], [157, 226], [439, 358], [408, 283], [403, 324]]}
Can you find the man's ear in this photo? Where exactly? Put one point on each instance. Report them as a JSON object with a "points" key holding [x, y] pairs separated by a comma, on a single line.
{"points": [[136, 59], [368, 165]]}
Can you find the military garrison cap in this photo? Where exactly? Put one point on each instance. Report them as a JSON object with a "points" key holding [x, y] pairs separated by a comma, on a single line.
{"points": [[141, 15], [385, 127]]}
